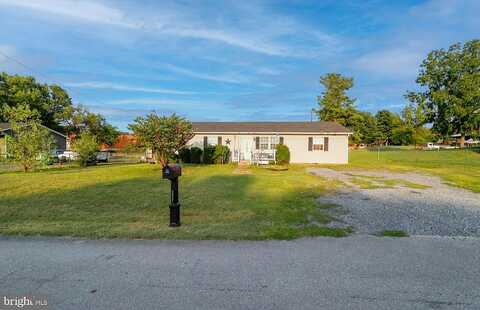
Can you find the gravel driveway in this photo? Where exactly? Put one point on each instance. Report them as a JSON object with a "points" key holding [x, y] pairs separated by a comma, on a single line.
{"points": [[372, 201]]}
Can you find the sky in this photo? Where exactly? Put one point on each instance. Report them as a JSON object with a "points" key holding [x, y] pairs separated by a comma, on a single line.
{"points": [[227, 60]]}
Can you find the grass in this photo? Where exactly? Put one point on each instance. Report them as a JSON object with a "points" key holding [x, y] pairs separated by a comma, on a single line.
{"points": [[131, 201], [393, 233], [365, 183], [373, 182], [457, 167]]}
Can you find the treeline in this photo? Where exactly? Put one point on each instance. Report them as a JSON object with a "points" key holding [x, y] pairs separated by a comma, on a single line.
{"points": [[52, 106], [448, 104], [384, 127]]}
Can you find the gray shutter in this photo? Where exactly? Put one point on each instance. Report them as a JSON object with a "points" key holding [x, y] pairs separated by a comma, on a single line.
{"points": [[205, 142], [281, 140], [325, 144], [257, 143], [219, 141], [310, 144]]}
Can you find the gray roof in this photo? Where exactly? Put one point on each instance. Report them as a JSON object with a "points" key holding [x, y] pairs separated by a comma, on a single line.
{"points": [[270, 127], [4, 126]]}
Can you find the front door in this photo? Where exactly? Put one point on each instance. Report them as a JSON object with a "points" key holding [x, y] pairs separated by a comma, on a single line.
{"points": [[246, 147]]}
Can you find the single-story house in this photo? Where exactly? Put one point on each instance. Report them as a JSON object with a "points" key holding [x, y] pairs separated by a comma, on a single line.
{"points": [[124, 140], [61, 142], [255, 142]]}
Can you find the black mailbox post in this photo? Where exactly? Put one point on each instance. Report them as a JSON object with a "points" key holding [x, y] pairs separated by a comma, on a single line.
{"points": [[172, 172]]}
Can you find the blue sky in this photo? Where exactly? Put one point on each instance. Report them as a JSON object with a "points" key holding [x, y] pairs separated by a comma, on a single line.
{"points": [[227, 61]]}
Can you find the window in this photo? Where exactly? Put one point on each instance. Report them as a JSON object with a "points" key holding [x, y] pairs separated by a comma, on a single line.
{"points": [[264, 143], [317, 144], [212, 140], [273, 142]]}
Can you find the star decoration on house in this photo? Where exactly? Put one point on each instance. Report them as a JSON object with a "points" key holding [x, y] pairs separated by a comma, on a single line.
{"points": [[227, 141]]}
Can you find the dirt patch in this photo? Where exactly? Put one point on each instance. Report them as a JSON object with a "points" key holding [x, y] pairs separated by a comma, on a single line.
{"points": [[375, 201], [242, 170]]}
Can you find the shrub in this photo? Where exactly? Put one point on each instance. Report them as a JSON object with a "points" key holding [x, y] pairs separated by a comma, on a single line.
{"points": [[185, 155], [132, 148], [30, 140], [208, 154], [196, 155], [87, 147], [222, 154], [283, 154], [45, 159]]}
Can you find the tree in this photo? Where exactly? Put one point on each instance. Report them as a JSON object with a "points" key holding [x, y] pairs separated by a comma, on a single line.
{"points": [[368, 130], [451, 98], [164, 135], [411, 129], [387, 122], [51, 102], [29, 139], [356, 122], [81, 120], [334, 103], [283, 154], [86, 145], [54, 107]]}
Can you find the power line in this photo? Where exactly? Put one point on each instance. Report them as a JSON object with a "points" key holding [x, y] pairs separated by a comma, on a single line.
{"points": [[31, 69]]}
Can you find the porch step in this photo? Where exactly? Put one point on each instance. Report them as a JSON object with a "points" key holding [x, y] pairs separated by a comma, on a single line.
{"points": [[243, 163]]}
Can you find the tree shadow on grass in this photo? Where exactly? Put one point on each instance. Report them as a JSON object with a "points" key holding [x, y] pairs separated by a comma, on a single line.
{"points": [[213, 207]]}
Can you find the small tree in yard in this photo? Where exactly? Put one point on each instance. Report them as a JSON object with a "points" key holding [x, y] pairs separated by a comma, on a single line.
{"points": [[164, 135], [30, 140], [283, 154], [86, 146], [222, 154]]}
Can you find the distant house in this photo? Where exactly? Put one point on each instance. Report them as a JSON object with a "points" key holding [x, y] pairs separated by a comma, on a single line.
{"points": [[309, 142], [61, 142], [123, 140]]}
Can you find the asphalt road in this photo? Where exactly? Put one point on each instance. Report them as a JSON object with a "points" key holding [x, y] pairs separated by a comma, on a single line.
{"points": [[360, 272]]}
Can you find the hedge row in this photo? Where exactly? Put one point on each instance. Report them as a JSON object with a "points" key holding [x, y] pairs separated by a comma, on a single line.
{"points": [[219, 154]]}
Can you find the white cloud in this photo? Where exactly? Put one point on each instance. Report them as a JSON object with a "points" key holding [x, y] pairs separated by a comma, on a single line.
{"points": [[268, 71], [394, 62], [255, 28], [436, 8], [248, 42], [227, 78], [90, 11], [170, 103], [113, 86], [154, 101]]}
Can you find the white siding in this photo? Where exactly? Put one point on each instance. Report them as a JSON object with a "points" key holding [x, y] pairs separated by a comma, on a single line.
{"points": [[337, 149], [298, 144]]}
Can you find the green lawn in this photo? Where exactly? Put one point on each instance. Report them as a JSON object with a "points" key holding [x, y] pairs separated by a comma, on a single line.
{"points": [[131, 201], [458, 167]]}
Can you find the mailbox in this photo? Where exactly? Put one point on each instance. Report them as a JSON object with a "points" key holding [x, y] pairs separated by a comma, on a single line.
{"points": [[171, 171]]}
